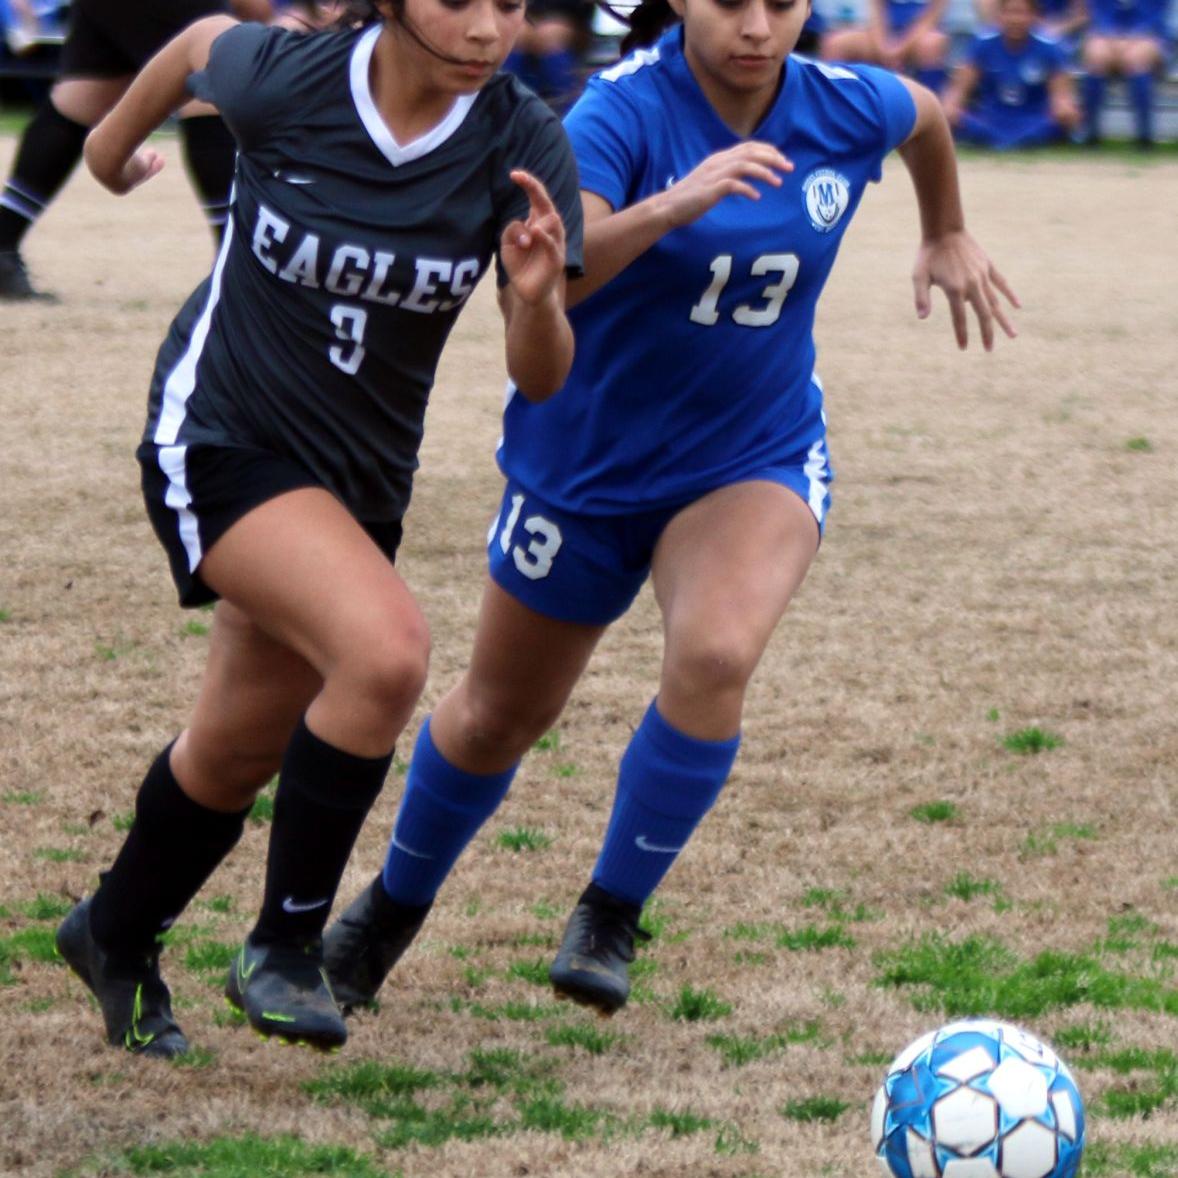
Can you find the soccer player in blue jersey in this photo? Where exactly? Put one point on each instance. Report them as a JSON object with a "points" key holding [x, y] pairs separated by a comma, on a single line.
{"points": [[380, 170], [1013, 89], [899, 35], [718, 177], [1126, 38]]}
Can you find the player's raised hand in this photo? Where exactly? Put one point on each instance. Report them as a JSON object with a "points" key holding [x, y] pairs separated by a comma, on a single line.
{"points": [[960, 267], [533, 250], [726, 173]]}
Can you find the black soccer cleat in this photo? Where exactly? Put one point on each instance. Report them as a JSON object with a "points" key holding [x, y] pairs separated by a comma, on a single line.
{"points": [[136, 1005], [14, 281], [592, 965], [366, 942], [282, 989]]}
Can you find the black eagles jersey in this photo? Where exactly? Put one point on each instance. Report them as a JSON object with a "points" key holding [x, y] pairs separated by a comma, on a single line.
{"points": [[346, 262]]}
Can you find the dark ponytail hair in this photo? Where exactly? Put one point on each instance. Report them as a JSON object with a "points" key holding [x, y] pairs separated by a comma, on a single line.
{"points": [[647, 22], [363, 12]]}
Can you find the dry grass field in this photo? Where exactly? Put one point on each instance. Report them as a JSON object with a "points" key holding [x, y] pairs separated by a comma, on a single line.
{"points": [[957, 789]]}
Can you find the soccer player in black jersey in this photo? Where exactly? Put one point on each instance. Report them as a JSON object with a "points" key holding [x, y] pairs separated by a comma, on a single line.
{"points": [[107, 43], [380, 171]]}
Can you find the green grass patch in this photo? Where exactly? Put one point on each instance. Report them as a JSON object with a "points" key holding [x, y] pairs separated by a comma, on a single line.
{"points": [[534, 972], [194, 1059], [738, 1050], [194, 629], [694, 1006], [1139, 445], [245, 1156], [30, 944], [1029, 742], [222, 905], [836, 903], [587, 1038], [979, 975], [1047, 843], [45, 907], [568, 769], [811, 938], [1104, 1160], [542, 910], [1083, 1036], [5, 616], [523, 838], [815, 1108], [965, 887], [678, 1124], [515, 1012], [22, 797], [209, 956], [263, 808], [549, 742], [1155, 1080], [59, 855], [123, 822], [731, 1141], [930, 812]]}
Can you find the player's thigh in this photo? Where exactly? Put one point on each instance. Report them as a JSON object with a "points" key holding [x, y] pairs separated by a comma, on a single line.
{"points": [[252, 693], [522, 669], [850, 44], [1098, 54], [1140, 55], [930, 48], [87, 100], [306, 572], [725, 569]]}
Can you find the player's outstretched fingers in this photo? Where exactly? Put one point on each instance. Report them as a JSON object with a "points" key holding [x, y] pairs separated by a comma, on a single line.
{"points": [[538, 196]]}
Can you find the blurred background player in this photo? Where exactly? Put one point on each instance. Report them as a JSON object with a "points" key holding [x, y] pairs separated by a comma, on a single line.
{"points": [[901, 35], [718, 176], [1125, 38], [379, 177], [1060, 19], [548, 51], [1013, 89], [107, 43]]}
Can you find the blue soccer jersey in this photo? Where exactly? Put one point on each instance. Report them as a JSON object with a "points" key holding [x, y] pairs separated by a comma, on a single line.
{"points": [[1013, 82], [1128, 17], [902, 14], [695, 366]]}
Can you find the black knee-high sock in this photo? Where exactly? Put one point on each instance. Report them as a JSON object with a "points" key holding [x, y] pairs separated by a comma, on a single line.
{"points": [[49, 151], [210, 153], [172, 848], [324, 795]]}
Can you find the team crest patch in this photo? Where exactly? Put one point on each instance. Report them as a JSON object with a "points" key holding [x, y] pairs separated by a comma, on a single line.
{"points": [[827, 194]]}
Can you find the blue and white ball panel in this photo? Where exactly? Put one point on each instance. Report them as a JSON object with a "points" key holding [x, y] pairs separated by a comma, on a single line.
{"points": [[978, 1099]]}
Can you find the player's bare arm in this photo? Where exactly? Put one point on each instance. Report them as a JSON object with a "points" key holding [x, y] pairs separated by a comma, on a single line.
{"points": [[539, 338], [948, 256], [114, 151], [614, 239]]}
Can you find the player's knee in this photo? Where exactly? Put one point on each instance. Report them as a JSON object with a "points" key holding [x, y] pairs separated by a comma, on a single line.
{"points": [[221, 762], [492, 726], [387, 670], [716, 662]]}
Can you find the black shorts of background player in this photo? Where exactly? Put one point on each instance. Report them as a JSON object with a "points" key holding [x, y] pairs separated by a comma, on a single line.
{"points": [[381, 168], [108, 42], [549, 49]]}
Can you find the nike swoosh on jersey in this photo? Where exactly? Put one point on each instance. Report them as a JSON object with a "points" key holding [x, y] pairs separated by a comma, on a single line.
{"points": [[641, 843], [291, 905], [410, 851]]}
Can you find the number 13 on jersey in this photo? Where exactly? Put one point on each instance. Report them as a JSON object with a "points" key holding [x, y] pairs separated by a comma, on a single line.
{"points": [[706, 311]]}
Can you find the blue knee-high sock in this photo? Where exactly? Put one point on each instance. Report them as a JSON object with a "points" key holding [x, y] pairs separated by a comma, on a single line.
{"points": [[666, 784], [441, 812], [1094, 87], [1141, 96]]}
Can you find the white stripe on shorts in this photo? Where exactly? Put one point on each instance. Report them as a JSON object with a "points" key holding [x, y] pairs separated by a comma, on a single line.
{"points": [[177, 389]]}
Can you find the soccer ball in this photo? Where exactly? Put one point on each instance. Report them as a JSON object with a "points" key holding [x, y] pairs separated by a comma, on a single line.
{"points": [[978, 1099]]}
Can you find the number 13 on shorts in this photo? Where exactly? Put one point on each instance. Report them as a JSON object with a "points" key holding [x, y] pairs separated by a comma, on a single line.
{"points": [[533, 555]]}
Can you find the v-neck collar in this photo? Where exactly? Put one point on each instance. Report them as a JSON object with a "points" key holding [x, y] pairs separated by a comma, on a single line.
{"points": [[396, 153]]}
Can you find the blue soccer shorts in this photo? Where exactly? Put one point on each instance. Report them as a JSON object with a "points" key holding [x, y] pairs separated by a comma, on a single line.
{"points": [[576, 567]]}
